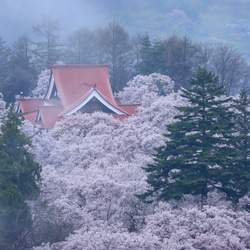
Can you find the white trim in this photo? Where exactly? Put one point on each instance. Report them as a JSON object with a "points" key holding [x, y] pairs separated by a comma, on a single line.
{"points": [[100, 99], [50, 88], [19, 110], [38, 118]]}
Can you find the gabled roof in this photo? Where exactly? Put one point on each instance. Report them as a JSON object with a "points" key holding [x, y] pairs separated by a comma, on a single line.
{"points": [[74, 86], [29, 108], [75, 83], [28, 105], [70, 79]]}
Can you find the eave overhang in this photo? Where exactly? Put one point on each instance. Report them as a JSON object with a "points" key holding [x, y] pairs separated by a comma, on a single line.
{"points": [[93, 93]]}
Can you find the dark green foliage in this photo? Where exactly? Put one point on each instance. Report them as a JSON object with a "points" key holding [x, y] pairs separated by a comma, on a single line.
{"points": [[19, 175], [146, 54], [242, 123], [236, 177], [19, 72], [151, 54], [197, 147], [4, 56], [175, 57]]}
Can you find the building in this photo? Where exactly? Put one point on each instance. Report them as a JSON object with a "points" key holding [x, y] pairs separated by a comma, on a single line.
{"points": [[74, 88]]}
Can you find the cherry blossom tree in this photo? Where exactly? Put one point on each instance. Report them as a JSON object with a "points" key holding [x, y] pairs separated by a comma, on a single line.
{"points": [[42, 84], [142, 87], [2, 106], [92, 169]]}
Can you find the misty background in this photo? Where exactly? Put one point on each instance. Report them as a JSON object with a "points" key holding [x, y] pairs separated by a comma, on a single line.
{"points": [[135, 37], [213, 20], [18, 16]]}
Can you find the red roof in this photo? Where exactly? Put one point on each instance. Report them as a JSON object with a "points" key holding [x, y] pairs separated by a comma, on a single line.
{"points": [[74, 80], [28, 105], [49, 116], [75, 84], [29, 108], [130, 108]]}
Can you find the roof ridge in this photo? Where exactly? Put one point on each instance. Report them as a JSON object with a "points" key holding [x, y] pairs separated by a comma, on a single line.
{"points": [[80, 66]]}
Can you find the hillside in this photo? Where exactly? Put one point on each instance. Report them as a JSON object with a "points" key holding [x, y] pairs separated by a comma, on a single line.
{"points": [[210, 21]]}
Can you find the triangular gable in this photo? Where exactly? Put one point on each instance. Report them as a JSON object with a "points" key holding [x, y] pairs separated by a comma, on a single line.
{"points": [[69, 79], [92, 93], [29, 108]]}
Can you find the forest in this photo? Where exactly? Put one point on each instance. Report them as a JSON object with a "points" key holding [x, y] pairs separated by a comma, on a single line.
{"points": [[174, 176], [176, 57]]}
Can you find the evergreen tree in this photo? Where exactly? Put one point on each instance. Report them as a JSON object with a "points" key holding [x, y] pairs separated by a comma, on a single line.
{"points": [[236, 178], [242, 123], [158, 56], [152, 56], [197, 143], [146, 66], [21, 73], [19, 175], [4, 59]]}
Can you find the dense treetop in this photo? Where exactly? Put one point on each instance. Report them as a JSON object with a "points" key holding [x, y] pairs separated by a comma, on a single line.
{"points": [[92, 169]]}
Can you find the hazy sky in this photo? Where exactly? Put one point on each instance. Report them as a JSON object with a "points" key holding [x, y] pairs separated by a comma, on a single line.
{"points": [[18, 16]]}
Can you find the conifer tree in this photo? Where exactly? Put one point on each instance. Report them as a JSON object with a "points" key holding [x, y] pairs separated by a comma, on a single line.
{"points": [[242, 123], [146, 53], [19, 176], [21, 72], [196, 145], [235, 178]]}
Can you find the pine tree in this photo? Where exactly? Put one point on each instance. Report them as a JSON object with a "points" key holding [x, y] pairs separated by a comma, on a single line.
{"points": [[21, 73], [146, 53], [19, 176], [242, 123], [197, 143], [235, 178]]}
